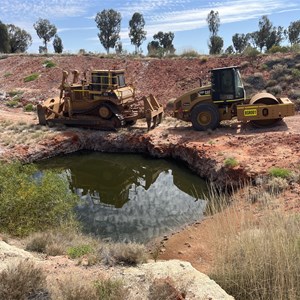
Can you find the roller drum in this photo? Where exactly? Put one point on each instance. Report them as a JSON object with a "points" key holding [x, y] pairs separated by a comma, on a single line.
{"points": [[266, 99]]}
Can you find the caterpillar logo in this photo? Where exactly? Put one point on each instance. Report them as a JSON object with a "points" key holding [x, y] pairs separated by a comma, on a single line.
{"points": [[250, 112]]}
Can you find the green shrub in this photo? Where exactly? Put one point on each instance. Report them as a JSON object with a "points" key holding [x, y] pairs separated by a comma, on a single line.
{"points": [[7, 74], [15, 93], [78, 251], [263, 67], [279, 172], [29, 107], [230, 162], [280, 49], [31, 77], [296, 74], [23, 281], [271, 83], [30, 203], [12, 103], [251, 52], [49, 64], [295, 48]]}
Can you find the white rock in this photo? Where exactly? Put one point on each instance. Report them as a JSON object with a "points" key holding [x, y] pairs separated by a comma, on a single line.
{"points": [[196, 285]]}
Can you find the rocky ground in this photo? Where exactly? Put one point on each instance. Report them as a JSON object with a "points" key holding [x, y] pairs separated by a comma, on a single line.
{"points": [[255, 150]]}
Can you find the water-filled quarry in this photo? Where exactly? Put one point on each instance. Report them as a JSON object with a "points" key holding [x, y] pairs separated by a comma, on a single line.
{"points": [[131, 197]]}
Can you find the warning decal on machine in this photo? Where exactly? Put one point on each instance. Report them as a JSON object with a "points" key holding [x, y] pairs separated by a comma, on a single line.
{"points": [[250, 112]]}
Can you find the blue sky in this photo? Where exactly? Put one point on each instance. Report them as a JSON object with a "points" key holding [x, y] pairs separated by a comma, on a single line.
{"points": [[74, 19]]}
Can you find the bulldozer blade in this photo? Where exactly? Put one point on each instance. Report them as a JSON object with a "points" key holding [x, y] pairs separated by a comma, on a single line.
{"points": [[153, 111]]}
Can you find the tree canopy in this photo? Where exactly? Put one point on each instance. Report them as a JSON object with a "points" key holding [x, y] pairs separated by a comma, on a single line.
{"points": [[137, 33], [216, 43], [267, 34], [165, 40], [45, 30], [19, 39], [293, 32], [4, 39], [240, 42], [109, 24], [57, 44], [213, 21]]}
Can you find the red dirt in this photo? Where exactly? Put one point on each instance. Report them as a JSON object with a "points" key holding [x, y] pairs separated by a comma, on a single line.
{"points": [[256, 150]]}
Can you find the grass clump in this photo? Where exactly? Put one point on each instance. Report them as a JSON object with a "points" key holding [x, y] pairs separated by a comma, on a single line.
{"points": [[79, 251], [123, 254], [31, 77], [110, 290], [14, 93], [76, 245], [75, 287], [23, 281], [7, 74], [31, 202], [189, 53], [230, 162], [12, 103], [279, 172], [49, 64], [29, 107], [261, 261], [276, 185], [60, 241]]}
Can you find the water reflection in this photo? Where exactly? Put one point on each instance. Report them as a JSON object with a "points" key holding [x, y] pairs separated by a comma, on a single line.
{"points": [[130, 197]]}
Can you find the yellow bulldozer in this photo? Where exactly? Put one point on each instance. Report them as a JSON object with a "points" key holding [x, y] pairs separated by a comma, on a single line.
{"points": [[225, 98], [104, 102]]}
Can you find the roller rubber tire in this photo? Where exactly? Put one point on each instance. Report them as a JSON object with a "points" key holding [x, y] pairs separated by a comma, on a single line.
{"points": [[205, 116]]}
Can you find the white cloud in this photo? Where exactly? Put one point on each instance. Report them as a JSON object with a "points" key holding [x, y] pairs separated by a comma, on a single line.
{"points": [[27, 9], [184, 15], [160, 15]]}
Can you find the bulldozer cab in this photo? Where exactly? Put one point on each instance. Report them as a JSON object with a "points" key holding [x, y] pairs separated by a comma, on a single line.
{"points": [[227, 85], [103, 80]]}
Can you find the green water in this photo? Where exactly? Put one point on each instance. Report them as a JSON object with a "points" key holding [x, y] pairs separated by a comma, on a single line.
{"points": [[130, 196]]}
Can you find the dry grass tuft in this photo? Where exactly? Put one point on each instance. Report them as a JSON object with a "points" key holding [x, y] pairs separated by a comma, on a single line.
{"points": [[260, 260], [123, 254], [75, 288], [23, 281], [77, 245], [57, 242]]}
